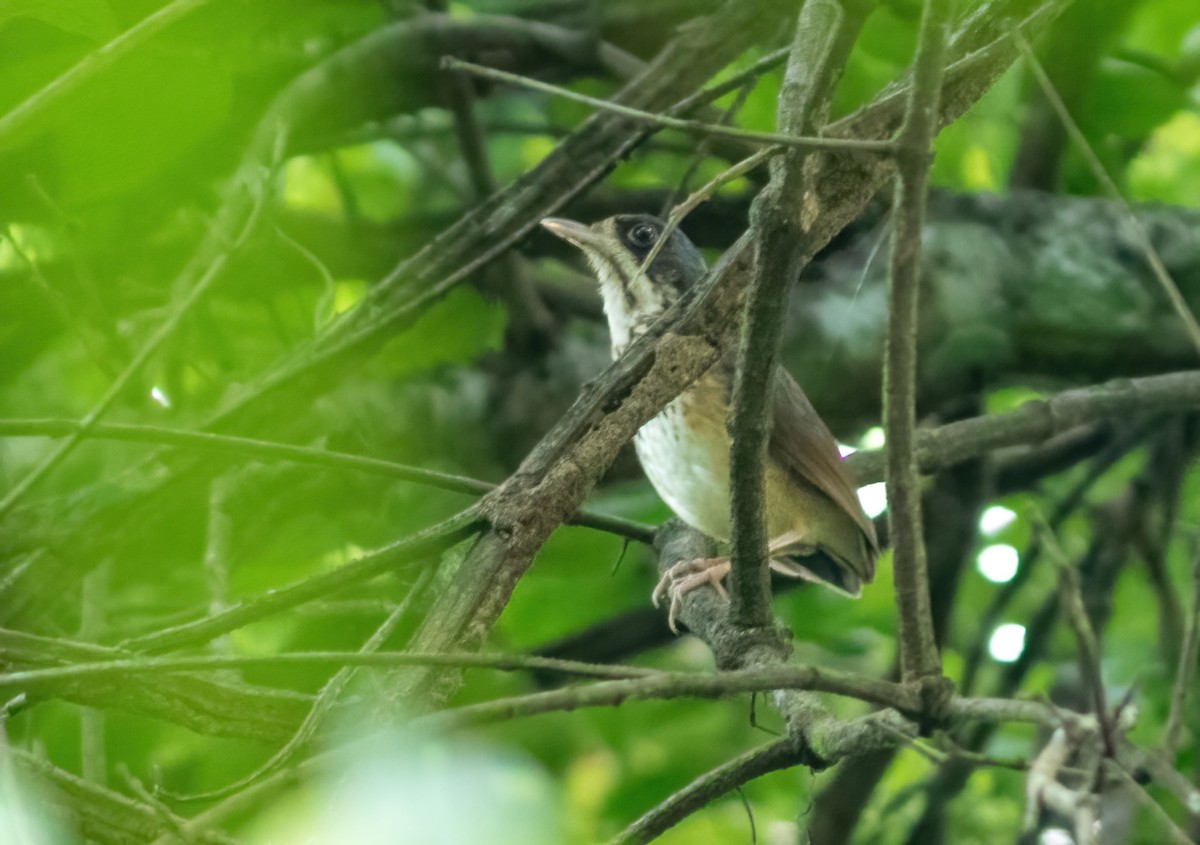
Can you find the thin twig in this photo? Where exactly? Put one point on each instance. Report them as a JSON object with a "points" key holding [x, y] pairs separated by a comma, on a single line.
{"points": [[1110, 187], [322, 704], [701, 152], [1176, 833], [93, 748], [1085, 635], [268, 450], [918, 647], [186, 833], [680, 212], [529, 313], [47, 95], [668, 685], [694, 127], [204, 268], [431, 541], [1185, 673], [772, 757], [25, 678], [219, 547], [1063, 508]]}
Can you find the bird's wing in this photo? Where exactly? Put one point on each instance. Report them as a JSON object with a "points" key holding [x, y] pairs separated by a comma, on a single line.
{"points": [[802, 444]]}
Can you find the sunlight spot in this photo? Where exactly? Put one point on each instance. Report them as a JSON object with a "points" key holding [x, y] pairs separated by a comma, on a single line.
{"points": [[1007, 642], [845, 450], [873, 438], [159, 396], [995, 519], [1055, 836], [998, 563], [977, 170], [873, 498]]}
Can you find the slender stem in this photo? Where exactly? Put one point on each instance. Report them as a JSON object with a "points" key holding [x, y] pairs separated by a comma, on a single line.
{"points": [[678, 685], [680, 212], [134, 665], [268, 450], [431, 541], [1071, 596], [1177, 834], [781, 754], [1185, 674], [1157, 267], [151, 25], [323, 702], [918, 648], [236, 220], [694, 127], [1040, 419]]}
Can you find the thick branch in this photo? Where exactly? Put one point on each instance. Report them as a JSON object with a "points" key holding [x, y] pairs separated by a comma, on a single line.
{"points": [[825, 33]]}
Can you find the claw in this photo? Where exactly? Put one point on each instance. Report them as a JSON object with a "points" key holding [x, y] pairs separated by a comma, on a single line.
{"points": [[686, 576]]}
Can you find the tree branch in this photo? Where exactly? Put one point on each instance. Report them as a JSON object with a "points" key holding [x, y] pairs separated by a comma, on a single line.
{"points": [[918, 647], [781, 754], [665, 121], [1110, 187], [103, 815], [431, 541], [1040, 419], [270, 451], [825, 34], [209, 707], [53, 677], [16, 119], [1185, 673]]}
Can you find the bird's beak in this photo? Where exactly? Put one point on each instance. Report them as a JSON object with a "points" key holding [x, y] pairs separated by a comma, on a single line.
{"points": [[574, 233]]}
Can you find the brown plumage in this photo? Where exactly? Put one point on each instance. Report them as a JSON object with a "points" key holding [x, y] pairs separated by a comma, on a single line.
{"points": [[801, 443], [816, 526]]}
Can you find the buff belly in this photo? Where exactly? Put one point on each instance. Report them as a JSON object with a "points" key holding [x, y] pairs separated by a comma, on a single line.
{"points": [[684, 451]]}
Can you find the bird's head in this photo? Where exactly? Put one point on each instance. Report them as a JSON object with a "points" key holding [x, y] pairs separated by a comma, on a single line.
{"points": [[616, 249]]}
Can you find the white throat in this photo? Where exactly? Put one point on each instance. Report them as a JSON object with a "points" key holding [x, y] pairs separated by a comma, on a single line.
{"points": [[630, 308]]}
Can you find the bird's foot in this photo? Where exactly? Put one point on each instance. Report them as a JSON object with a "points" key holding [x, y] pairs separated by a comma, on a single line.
{"points": [[686, 576]]}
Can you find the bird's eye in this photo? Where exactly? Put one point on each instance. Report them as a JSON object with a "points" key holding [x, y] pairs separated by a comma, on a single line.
{"points": [[643, 235]]}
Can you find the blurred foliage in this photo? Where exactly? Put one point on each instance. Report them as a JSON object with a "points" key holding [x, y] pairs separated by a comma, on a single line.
{"points": [[107, 190]]}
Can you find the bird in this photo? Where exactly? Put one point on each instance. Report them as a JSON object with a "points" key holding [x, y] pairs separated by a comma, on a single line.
{"points": [[817, 530]]}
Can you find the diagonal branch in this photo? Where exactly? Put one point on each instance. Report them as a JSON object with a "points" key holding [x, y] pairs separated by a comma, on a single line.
{"points": [[1140, 235], [427, 543], [781, 754], [205, 706], [20, 115]]}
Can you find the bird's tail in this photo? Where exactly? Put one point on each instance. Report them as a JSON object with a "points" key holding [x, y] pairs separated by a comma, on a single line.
{"points": [[820, 567]]}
